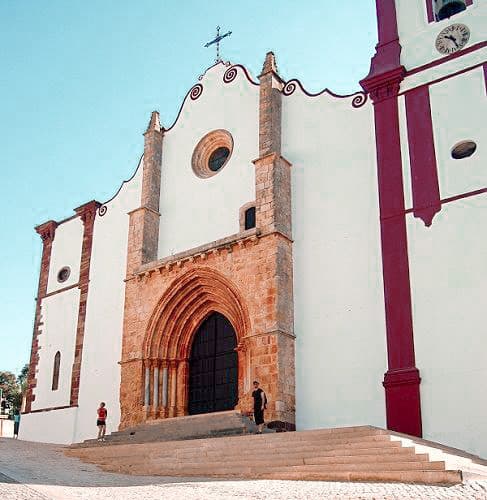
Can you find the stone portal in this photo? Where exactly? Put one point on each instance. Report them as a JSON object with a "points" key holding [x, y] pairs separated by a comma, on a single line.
{"points": [[213, 367]]}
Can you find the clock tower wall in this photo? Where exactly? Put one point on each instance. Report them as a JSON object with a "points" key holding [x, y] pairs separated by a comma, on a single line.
{"points": [[442, 104], [418, 31]]}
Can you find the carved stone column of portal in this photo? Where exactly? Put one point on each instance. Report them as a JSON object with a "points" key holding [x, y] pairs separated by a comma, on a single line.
{"points": [[146, 383], [242, 368], [155, 386], [173, 374], [183, 375], [164, 395]]}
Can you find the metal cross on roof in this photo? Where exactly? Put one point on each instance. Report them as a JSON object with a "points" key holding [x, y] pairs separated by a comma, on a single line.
{"points": [[217, 41]]}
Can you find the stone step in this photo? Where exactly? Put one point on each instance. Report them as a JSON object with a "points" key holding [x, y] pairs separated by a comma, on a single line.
{"points": [[309, 450], [440, 477], [210, 425], [260, 463], [352, 449], [450, 477], [223, 468], [250, 445], [361, 453]]}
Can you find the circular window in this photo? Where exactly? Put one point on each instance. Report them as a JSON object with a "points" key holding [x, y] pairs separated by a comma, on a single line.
{"points": [[63, 274], [218, 158], [463, 149], [212, 153]]}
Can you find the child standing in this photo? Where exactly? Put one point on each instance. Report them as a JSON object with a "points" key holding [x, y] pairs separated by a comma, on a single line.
{"points": [[101, 421]]}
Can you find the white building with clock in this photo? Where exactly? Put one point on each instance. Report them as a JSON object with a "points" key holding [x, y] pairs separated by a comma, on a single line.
{"points": [[330, 246]]}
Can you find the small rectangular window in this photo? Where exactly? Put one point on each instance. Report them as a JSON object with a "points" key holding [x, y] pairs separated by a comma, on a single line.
{"points": [[250, 218]]}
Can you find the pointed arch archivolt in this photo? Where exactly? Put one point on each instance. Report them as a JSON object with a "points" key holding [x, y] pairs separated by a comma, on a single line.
{"points": [[189, 299]]}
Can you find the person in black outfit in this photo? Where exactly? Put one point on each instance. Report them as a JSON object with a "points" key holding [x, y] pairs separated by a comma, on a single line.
{"points": [[260, 402]]}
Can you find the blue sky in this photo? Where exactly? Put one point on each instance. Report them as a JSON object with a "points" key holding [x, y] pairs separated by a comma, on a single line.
{"points": [[79, 79]]}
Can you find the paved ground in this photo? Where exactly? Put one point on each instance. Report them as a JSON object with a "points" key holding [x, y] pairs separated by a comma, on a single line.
{"points": [[34, 471]]}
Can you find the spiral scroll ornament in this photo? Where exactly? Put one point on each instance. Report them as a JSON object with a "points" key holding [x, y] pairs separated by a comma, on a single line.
{"points": [[230, 74], [196, 91], [102, 210], [289, 88], [359, 100]]}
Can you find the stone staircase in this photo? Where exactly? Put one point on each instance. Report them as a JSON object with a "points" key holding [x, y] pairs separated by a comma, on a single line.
{"points": [[218, 424], [343, 454]]}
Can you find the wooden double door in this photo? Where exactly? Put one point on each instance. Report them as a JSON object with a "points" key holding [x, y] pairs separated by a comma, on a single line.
{"points": [[213, 367]]}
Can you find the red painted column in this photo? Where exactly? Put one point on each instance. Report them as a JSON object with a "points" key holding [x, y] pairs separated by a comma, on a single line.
{"points": [[401, 381], [87, 214], [46, 232]]}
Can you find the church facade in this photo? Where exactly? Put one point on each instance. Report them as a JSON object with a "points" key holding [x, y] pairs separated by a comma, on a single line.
{"points": [[328, 246]]}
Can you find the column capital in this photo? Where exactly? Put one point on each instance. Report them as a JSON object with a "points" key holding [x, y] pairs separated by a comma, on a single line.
{"points": [[155, 362], [47, 230], [87, 211], [384, 85]]}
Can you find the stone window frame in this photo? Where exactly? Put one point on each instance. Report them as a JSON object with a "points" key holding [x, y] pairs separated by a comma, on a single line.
{"points": [[55, 371], [241, 214], [209, 143]]}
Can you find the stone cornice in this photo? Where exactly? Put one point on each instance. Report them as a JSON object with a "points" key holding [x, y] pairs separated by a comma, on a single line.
{"points": [[87, 211], [200, 251], [270, 158], [47, 230]]}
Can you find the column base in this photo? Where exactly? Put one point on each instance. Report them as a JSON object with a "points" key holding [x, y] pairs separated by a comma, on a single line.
{"points": [[403, 403]]}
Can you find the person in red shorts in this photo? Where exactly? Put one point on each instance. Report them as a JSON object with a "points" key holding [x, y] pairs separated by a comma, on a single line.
{"points": [[101, 421]]}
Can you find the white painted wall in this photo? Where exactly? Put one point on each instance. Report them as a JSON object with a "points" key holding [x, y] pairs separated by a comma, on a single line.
{"points": [[406, 165], [6, 428], [448, 266], [66, 251], [59, 315], [48, 427], [100, 371], [417, 36], [459, 111], [196, 211], [338, 297]]}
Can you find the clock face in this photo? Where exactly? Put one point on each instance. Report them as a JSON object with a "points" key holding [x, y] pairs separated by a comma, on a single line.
{"points": [[452, 38]]}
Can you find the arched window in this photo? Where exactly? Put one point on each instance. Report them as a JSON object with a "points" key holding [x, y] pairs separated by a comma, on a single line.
{"points": [[446, 8], [55, 371]]}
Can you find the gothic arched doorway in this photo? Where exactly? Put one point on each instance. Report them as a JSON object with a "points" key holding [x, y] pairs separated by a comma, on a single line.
{"points": [[213, 367]]}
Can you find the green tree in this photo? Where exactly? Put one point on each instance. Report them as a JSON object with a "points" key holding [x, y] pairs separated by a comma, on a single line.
{"points": [[10, 388], [22, 378]]}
